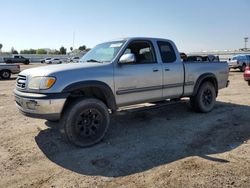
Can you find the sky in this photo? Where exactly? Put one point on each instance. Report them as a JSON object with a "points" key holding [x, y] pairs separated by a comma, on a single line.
{"points": [[194, 25]]}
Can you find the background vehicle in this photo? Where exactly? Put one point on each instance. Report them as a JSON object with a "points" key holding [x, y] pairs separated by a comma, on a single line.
{"points": [[115, 74], [53, 61], [74, 59], [17, 59], [46, 59], [7, 69], [247, 74], [239, 62]]}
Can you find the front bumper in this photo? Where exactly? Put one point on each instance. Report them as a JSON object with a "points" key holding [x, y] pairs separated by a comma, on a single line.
{"points": [[42, 106]]}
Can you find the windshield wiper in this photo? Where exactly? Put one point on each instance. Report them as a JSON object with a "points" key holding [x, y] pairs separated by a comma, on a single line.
{"points": [[93, 60]]}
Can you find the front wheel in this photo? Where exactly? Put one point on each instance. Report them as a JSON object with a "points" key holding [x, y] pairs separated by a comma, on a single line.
{"points": [[85, 122], [205, 98], [5, 74]]}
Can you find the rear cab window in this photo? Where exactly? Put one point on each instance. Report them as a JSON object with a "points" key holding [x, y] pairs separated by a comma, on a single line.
{"points": [[167, 52]]}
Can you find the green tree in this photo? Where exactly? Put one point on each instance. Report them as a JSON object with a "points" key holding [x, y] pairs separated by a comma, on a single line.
{"points": [[1, 46], [71, 48], [63, 50], [30, 51], [41, 51], [82, 48]]}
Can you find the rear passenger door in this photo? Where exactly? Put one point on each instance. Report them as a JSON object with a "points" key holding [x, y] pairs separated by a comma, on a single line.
{"points": [[140, 81], [173, 71]]}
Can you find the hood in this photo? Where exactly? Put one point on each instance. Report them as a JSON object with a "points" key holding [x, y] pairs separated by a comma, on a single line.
{"points": [[53, 69]]}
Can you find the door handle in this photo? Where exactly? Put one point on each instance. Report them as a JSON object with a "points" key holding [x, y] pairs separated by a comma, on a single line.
{"points": [[155, 70], [167, 69]]}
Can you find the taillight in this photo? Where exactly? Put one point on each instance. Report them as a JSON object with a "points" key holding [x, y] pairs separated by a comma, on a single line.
{"points": [[247, 68]]}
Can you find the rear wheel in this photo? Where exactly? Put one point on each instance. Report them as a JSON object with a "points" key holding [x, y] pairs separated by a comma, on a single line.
{"points": [[26, 62], [85, 122], [5, 74], [205, 98], [243, 67]]}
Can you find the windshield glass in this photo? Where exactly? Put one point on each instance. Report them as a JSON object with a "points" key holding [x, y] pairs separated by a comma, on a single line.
{"points": [[104, 52]]}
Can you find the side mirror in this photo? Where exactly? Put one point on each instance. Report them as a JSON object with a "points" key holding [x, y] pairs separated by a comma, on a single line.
{"points": [[127, 58]]}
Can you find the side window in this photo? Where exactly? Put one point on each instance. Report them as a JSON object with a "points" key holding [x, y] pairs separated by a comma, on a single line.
{"points": [[143, 51], [167, 52]]}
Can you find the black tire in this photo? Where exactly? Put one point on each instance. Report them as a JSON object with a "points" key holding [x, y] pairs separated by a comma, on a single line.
{"points": [[26, 62], [85, 122], [5, 74], [205, 98], [243, 67]]}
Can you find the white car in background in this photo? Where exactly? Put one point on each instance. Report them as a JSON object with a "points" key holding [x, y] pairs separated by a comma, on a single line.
{"points": [[74, 60], [53, 61]]}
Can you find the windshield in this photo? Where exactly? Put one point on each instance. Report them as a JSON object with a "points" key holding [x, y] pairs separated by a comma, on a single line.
{"points": [[104, 52]]}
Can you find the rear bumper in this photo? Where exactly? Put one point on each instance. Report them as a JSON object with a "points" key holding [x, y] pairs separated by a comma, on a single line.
{"points": [[42, 106], [234, 66], [247, 77]]}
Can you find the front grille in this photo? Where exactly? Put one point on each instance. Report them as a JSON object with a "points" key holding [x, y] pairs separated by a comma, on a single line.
{"points": [[21, 82]]}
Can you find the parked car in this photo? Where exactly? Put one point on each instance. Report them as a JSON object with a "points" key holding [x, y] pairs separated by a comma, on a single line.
{"points": [[17, 59], [74, 59], [112, 75], [46, 59], [53, 61], [247, 74], [7, 69], [239, 62]]}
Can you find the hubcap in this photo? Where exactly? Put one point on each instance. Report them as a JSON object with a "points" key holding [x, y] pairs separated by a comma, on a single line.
{"points": [[207, 97], [88, 123], [6, 74]]}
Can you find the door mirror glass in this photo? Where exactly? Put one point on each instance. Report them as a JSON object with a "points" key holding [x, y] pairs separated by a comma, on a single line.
{"points": [[127, 58]]}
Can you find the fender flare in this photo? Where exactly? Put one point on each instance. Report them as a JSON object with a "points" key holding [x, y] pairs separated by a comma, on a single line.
{"points": [[107, 91], [202, 78]]}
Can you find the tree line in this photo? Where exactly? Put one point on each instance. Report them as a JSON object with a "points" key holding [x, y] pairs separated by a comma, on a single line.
{"points": [[62, 50]]}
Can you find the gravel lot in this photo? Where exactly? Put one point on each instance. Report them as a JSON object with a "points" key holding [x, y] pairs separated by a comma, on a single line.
{"points": [[162, 146]]}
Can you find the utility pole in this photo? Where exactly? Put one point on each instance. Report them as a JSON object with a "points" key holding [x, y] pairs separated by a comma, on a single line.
{"points": [[246, 40], [73, 45]]}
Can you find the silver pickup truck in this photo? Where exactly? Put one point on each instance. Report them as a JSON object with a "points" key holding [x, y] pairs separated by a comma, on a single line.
{"points": [[6, 70], [115, 74]]}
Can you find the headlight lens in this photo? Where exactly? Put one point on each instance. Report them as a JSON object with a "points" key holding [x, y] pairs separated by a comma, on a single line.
{"points": [[41, 82]]}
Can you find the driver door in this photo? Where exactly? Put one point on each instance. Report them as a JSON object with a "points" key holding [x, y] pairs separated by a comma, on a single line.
{"points": [[140, 81]]}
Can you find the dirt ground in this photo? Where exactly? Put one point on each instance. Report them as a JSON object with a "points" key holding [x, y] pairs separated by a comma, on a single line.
{"points": [[164, 146]]}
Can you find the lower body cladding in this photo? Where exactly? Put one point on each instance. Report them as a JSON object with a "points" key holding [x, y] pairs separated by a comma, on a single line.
{"points": [[43, 106]]}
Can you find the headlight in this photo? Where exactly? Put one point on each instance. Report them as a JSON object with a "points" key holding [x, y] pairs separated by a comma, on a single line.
{"points": [[41, 82]]}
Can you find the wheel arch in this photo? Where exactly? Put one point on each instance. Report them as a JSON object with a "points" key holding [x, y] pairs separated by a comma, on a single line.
{"points": [[97, 89], [210, 77]]}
